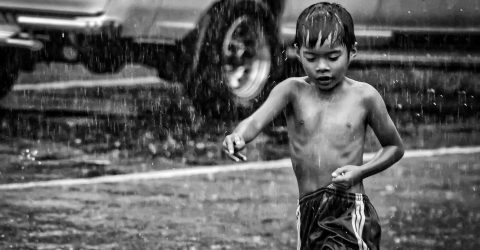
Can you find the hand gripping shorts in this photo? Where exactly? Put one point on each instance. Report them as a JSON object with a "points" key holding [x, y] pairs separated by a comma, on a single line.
{"points": [[329, 218]]}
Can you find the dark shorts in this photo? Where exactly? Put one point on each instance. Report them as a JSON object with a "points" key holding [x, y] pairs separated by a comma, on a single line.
{"points": [[329, 218]]}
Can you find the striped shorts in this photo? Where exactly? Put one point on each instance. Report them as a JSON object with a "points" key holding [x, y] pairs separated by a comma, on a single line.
{"points": [[329, 218]]}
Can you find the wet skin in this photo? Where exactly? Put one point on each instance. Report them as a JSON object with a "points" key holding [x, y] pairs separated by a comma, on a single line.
{"points": [[327, 116], [326, 132]]}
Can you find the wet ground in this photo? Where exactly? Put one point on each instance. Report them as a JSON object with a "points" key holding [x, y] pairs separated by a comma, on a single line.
{"points": [[424, 203]]}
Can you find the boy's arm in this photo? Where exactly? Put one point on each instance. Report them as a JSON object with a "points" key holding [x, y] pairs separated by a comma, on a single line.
{"points": [[382, 125], [250, 127]]}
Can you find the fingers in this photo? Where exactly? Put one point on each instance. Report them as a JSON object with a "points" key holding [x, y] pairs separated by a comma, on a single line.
{"points": [[237, 156], [231, 156], [338, 176], [341, 181], [238, 141], [338, 172], [231, 142], [342, 186], [338, 179], [231, 145], [241, 156], [228, 144]]}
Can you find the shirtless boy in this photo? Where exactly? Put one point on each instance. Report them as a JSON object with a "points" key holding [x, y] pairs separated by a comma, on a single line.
{"points": [[327, 117]]}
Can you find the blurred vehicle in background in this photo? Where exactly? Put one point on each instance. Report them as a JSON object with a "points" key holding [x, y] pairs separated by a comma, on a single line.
{"points": [[227, 53], [408, 32]]}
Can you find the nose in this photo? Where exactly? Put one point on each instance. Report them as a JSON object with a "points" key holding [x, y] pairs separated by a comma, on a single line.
{"points": [[323, 65]]}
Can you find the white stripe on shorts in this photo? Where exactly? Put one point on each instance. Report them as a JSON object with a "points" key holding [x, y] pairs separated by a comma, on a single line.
{"points": [[358, 221], [299, 243]]}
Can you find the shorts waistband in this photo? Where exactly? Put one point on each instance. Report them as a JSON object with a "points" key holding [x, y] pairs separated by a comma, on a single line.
{"points": [[331, 189]]}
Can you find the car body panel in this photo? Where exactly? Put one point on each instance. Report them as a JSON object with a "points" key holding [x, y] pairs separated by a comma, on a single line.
{"points": [[394, 13], [170, 20], [378, 23], [64, 7], [377, 18], [161, 20], [166, 20]]}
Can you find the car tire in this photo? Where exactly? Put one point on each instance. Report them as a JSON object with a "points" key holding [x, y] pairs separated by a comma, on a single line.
{"points": [[8, 70], [235, 63]]}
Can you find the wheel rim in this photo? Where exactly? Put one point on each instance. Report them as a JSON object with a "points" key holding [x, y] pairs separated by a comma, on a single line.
{"points": [[246, 58]]}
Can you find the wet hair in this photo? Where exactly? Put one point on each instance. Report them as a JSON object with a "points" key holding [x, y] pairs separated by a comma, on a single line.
{"points": [[317, 22]]}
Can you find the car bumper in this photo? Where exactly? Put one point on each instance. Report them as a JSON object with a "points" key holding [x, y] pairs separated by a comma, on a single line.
{"points": [[18, 34], [9, 38], [88, 25]]}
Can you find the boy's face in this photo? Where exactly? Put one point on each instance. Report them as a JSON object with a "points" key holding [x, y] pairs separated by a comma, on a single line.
{"points": [[325, 64]]}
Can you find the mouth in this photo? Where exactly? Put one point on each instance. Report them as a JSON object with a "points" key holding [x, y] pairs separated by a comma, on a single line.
{"points": [[324, 79]]}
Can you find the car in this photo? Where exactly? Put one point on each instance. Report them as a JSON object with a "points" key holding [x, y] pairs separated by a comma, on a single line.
{"points": [[227, 53]]}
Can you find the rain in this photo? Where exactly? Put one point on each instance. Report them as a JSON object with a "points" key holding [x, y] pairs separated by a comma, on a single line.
{"points": [[113, 113]]}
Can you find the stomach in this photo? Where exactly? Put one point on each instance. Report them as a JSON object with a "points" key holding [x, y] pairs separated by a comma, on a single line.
{"points": [[314, 165]]}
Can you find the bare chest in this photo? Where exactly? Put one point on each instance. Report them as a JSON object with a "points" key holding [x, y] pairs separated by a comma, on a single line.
{"points": [[334, 117]]}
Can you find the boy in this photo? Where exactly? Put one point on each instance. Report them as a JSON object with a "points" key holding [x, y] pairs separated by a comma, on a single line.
{"points": [[327, 116]]}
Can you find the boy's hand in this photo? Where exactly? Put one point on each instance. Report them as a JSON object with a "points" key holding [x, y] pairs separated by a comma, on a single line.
{"points": [[232, 144], [347, 176]]}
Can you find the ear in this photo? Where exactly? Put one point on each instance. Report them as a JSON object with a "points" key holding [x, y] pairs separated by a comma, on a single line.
{"points": [[353, 51], [297, 51]]}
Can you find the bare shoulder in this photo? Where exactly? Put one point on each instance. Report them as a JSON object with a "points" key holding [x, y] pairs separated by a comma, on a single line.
{"points": [[292, 85], [365, 90], [293, 82]]}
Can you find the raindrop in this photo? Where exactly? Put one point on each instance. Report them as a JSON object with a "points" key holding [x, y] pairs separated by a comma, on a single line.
{"points": [[431, 98]]}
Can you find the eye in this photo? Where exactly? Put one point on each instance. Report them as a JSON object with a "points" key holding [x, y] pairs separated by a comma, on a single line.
{"points": [[309, 57], [333, 57]]}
